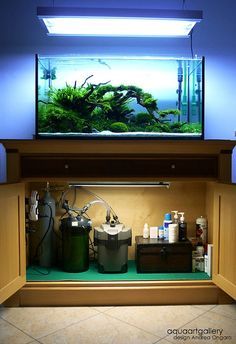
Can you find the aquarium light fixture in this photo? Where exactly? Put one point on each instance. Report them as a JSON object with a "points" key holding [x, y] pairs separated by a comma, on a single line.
{"points": [[121, 184], [67, 21]]}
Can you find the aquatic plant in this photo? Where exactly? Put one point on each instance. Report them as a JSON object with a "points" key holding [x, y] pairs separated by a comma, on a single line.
{"points": [[100, 121], [119, 127], [112, 99], [144, 119], [149, 103], [176, 127], [114, 103], [164, 113], [159, 128], [144, 99], [191, 128], [115, 100], [81, 99], [97, 107], [54, 119]]}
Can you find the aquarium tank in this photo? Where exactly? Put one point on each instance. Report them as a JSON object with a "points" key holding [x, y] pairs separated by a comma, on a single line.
{"points": [[119, 97]]}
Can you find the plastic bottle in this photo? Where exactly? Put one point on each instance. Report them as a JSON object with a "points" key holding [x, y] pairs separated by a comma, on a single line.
{"points": [[161, 233], [145, 231], [201, 230], [176, 217], [173, 232], [182, 228], [166, 222], [200, 250]]}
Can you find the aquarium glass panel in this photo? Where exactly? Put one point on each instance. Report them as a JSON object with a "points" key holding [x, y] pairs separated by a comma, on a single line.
{"points": [[119, 97]]}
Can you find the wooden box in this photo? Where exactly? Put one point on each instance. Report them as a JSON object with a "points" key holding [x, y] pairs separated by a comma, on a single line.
{"points": [[153, 255]]}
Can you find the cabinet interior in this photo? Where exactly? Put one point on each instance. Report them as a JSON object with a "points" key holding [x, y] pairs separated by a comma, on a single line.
{"points": [[198, 172], [134, 206]]}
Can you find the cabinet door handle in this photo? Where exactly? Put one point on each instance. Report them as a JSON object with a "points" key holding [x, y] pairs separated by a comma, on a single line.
{"points": [[172, 166], [66, 166]]}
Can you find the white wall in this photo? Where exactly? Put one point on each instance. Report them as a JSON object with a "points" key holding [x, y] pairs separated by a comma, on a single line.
{"points": [[22, 37]]}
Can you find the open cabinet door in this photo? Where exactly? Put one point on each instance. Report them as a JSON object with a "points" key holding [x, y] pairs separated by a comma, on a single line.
{"points": [[12, 239], [224, 238]]}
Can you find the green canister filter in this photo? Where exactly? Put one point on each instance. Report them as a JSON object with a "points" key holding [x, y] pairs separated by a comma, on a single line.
{"points": [[75, 243]]}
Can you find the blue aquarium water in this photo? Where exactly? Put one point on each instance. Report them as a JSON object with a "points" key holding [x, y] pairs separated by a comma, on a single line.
{"points": [[119, 97]]}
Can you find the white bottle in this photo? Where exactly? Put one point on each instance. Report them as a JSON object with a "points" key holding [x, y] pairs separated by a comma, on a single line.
{"points": [[145, 231], [173, 232], [153, 232]]}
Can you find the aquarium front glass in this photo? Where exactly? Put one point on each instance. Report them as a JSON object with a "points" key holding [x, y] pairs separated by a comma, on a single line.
{"points": [[119, 97]]}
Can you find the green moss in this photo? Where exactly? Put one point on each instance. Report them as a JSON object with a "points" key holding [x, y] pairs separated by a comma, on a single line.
{"points": [[119, 127], [159, 128], [53, 119], [191, 128]]}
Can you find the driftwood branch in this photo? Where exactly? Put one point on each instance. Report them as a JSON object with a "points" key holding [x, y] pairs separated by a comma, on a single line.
{"points": [[92, 88], [90, 76]]}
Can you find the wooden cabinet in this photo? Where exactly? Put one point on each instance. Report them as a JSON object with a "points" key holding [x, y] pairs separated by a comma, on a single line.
{"points": [[103, 159], [51, 160], [119, 166], [224, 238], [12, 239]]}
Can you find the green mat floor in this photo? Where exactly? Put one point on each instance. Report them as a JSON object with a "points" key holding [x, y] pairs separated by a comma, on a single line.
{"points": [[39, 274]]}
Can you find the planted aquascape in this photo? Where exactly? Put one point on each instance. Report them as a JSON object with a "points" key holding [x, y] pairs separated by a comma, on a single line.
{"points": [[118, 97]]}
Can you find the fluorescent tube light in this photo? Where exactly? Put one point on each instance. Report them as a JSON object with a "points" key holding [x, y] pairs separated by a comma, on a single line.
{"points": [[121, 184], [117, 22]]}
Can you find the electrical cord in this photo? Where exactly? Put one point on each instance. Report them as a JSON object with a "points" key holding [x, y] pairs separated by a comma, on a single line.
{"points": [[191, 43], [191, 33], [92, 249], [39, 272]]}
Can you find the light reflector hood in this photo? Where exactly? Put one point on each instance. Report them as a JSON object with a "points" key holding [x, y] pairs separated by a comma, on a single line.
{"points": [[67, 21]]}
